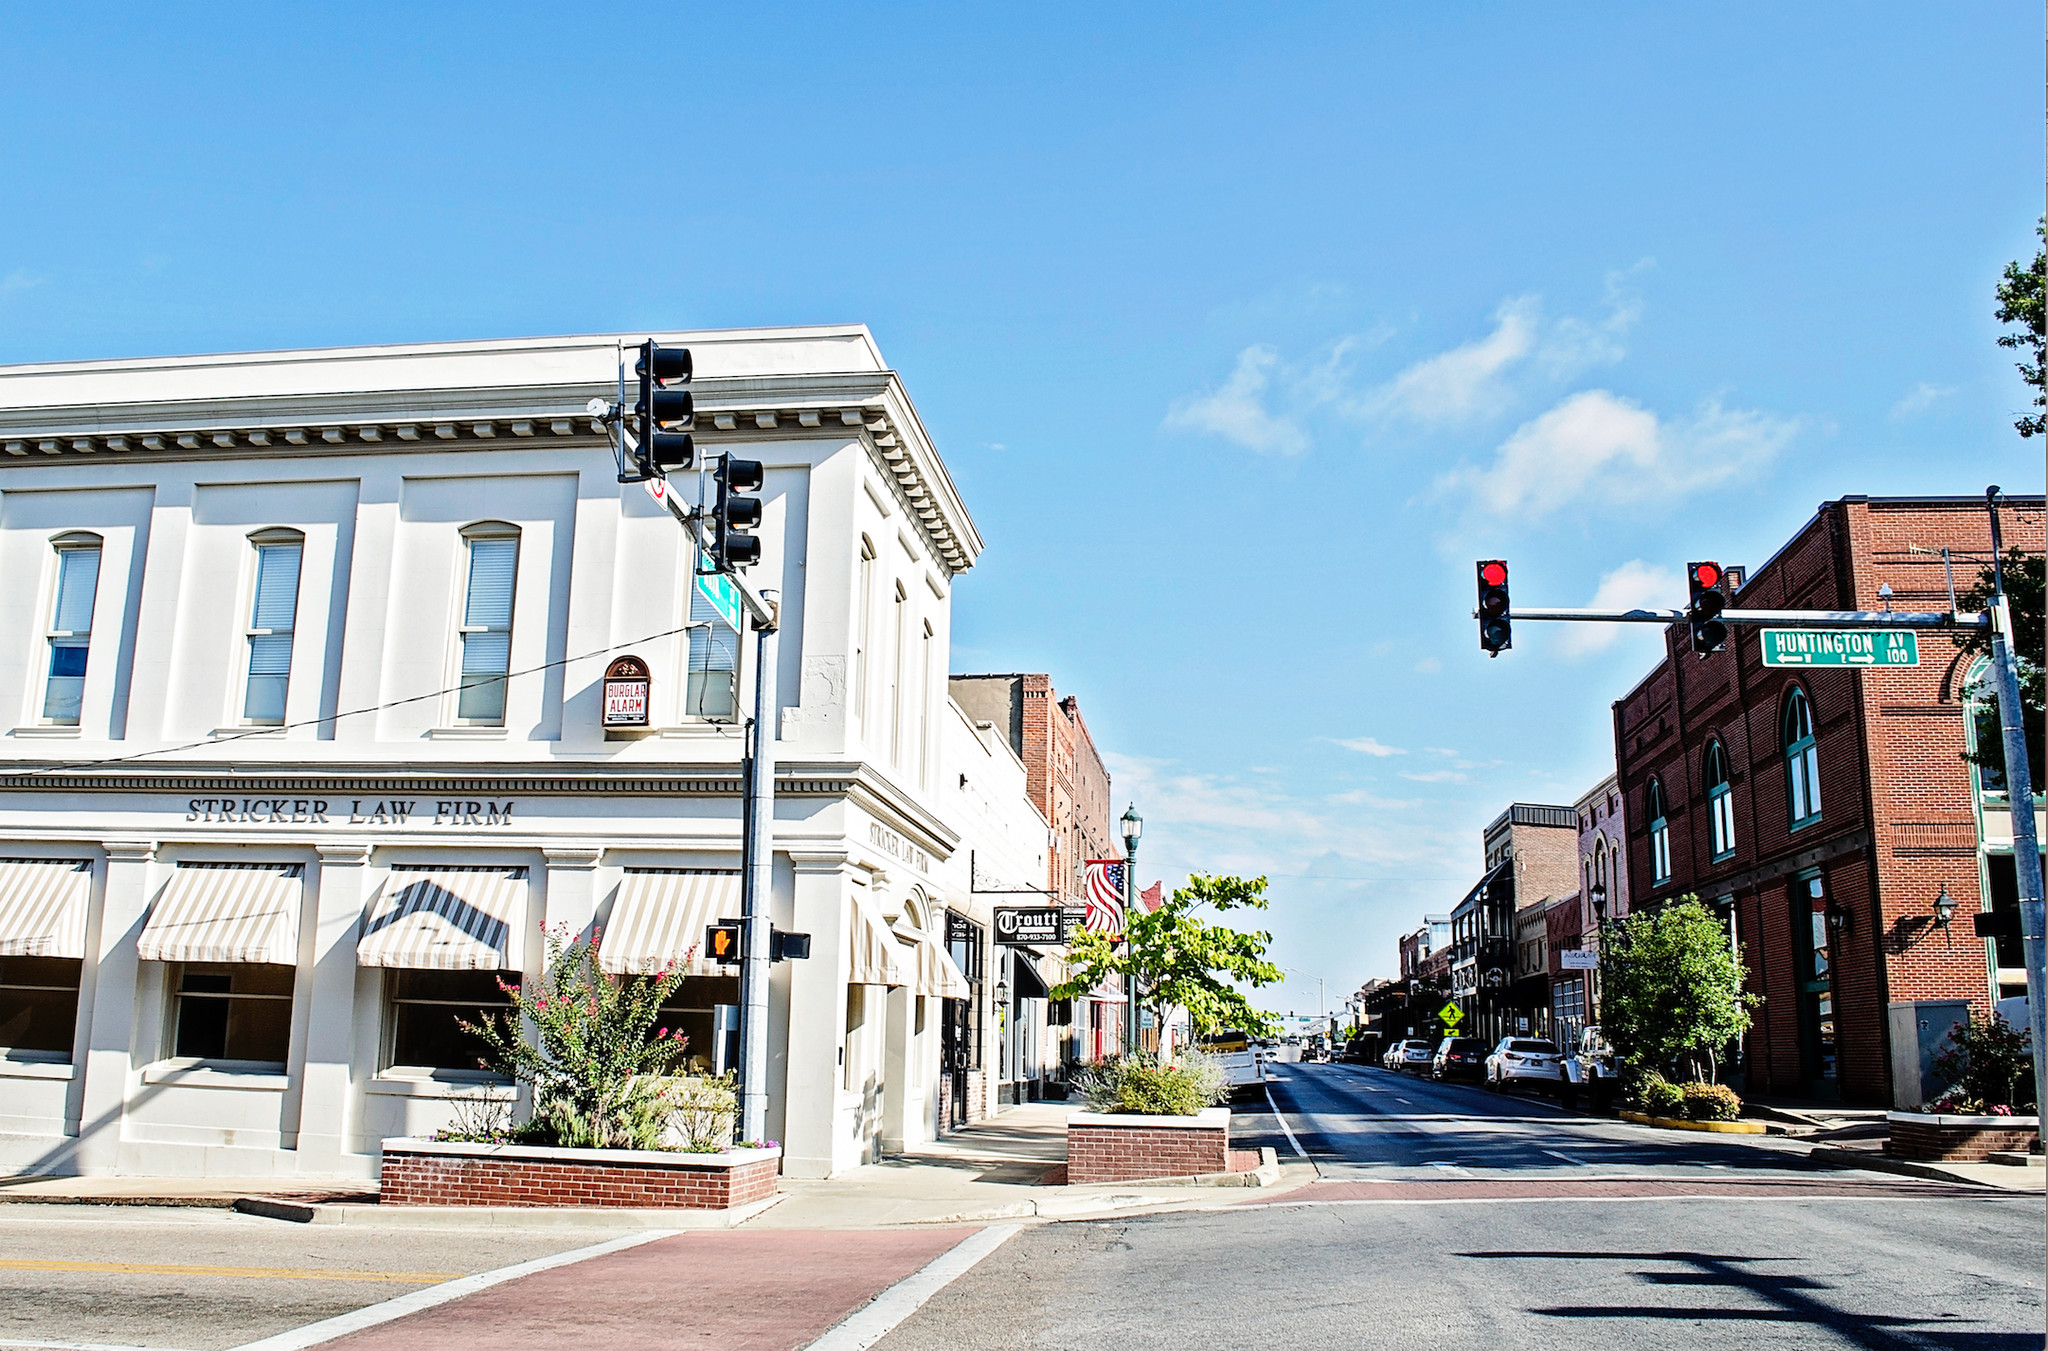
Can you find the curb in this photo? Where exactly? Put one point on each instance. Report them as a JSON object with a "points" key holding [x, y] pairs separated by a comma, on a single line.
{"points": [[1716, 1127], [369, 1216], [1829, 1156]]}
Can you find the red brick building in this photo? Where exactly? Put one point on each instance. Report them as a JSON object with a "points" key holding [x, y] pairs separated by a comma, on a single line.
{"points": [[1823, 809], [1063, 774]]}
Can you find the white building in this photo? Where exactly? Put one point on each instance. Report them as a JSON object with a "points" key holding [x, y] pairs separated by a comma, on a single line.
{"points": [[300, 662]]}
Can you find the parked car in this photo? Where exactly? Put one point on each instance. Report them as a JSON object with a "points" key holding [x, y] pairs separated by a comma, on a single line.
{"points": [[1590, 1068], [1524, 1060], [1459, 1058], [1415, 1055], [1391, 1057], [1244, 1064]]}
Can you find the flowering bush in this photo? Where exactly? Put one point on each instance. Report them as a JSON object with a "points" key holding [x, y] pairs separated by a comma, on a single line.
{"points": [[1146, 1085], [598, 1061], [1954, 1102], [1988, 1061]]}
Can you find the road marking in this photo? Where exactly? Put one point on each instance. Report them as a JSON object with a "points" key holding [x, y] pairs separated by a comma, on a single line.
{"points": [[1450, 1168], [1576, 1163], [908, 1295], [327, 1329], [267, 1273], [1299, 1152]]}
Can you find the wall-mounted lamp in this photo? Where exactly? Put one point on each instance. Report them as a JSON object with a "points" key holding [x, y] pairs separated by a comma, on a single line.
{"points": [[1944, 911]]}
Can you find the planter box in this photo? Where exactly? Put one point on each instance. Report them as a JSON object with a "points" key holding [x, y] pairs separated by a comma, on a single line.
{"points": [[1114, 1147], [1957, 1139], [438, 1173], [1675, 1123]]}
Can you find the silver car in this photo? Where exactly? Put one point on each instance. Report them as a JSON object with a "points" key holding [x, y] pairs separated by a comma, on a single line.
{"points": [[1524, 1060], [1415, 1055]]}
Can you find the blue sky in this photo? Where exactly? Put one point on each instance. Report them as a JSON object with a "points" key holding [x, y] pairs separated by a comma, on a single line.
{"points": [[1244, 329]]}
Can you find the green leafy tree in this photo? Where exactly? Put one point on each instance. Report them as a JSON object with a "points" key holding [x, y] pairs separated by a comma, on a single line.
{"points": [[1672, 988], [597, 1056], [1181, 960], [2020, 303], [2025, 580]]}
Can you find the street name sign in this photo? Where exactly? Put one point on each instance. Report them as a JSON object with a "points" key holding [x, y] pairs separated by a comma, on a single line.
{"points": [[1450, 1015], [1029, 924], [1841, 647], [1578, 959], [719, 590]]}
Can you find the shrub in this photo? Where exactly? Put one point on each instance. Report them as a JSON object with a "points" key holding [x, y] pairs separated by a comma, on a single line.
{"points": [[1954, 1102], [1145, 1085], [705, 1111], [1988, 1061], [1711, 1102], [1657, 1096]]}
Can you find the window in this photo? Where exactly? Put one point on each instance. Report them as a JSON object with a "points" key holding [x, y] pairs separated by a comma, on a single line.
{"points": [[487, 624], [924, 709], [70, 634], [38, 1007], [864, 638], [428, 1009], [712, 690], [1720, 800], [1987, 735], [1654, 807], [240, 1011], [271, 613], [1802, 760], [896, 678], [701, 1009]]}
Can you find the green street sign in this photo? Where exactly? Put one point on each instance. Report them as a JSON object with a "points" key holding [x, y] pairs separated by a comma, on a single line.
{"points": [[1450, 1015], [719, 590], [1841, 647]]}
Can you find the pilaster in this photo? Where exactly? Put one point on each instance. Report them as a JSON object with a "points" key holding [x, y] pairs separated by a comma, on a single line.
{"points": [[109, 1069], [328, 959], [811, 1145]]}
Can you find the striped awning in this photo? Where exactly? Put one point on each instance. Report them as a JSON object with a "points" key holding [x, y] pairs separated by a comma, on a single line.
{"points": [[934, 973], [448, 919], [873, 947], [226, 912], [42, 906], [659, 921]]}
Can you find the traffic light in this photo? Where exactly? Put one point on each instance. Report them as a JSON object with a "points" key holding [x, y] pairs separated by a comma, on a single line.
{"points": [[731, 546], [1496, 632], [1703, 609], [722, 943], [662, 451]]}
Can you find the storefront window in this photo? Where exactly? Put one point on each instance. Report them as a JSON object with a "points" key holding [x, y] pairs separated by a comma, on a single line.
{"points": [[239, 1011], [428, 1009], [702, 1008], [38, 1007]]}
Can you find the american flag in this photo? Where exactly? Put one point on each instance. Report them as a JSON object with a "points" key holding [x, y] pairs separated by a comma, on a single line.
{"points": [[1150, 896], [1105, 896]]}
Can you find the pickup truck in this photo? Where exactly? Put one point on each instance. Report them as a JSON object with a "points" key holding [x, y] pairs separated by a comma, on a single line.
{"points": [[1590, 1066], [1243, 1062]]}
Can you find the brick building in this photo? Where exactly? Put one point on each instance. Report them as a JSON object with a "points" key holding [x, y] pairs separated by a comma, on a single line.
{"points": [[1531, 859], [1064, 775], [1574, 922], [1824, 809]]}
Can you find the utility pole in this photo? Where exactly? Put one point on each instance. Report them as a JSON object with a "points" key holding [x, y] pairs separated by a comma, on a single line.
{"points": [[2019, 788]]}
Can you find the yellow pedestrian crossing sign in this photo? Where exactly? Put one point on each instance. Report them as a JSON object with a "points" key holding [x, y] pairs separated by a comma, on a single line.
{"points": [[1450, 1015]]}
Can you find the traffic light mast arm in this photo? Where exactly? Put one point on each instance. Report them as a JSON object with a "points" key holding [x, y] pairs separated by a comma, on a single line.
{"points": [[764, 612], [1823, 619]]}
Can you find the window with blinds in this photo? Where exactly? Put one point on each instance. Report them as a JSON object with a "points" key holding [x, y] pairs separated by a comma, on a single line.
{"points": [[272, 612], [486, 633], [70, 632], [713, 678]]}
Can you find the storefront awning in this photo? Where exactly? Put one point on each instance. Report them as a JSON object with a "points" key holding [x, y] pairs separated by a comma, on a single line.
{"points": [[873, 947], [1027, 984], [42, 906], [226, 912], [934, 973], [660, 918], [448, 919]]}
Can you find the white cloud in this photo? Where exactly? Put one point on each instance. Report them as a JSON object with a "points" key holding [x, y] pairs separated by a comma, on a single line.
{"points": [[1923, 396], [1453, 386], [1429, 666], [1633, 585], [1237, 412], [1366, 745], [1435, 775], [1599, 449]]}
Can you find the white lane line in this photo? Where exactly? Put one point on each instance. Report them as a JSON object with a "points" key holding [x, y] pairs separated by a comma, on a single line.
{"points": [[327, 1329], [1576, 1163], [868, 1326], [1299, 1152], [1450, 1168]]}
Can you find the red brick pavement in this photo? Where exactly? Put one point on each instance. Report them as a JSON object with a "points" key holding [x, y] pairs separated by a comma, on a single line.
{"points": [[1487, 1189], [736, 1291]]}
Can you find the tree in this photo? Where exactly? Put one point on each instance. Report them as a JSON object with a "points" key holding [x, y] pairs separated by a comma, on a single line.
{"points": [[2020, 302], [1182, 961], [2025, 581], [1673, 987]]}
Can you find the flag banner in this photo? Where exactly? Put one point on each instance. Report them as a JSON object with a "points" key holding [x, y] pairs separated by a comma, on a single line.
{"points": [[1151, 897], [1105, 897]]}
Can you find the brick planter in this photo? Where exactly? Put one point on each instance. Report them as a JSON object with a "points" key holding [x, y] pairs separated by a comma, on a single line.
{"points": [[1113, 1147], [1956, 1139], [437, 1173]]}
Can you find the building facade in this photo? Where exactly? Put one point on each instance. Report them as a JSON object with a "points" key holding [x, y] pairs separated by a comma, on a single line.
{"points": [[309, 752], [1826, 809]]}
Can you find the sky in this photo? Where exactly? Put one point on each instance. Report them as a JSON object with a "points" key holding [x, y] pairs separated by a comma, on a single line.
{"points": [[1243, 329]]}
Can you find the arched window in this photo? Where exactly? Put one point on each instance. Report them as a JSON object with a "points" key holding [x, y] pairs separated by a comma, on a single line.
{"points": [[1720, 800], [1654, 808], [1802, 760]]}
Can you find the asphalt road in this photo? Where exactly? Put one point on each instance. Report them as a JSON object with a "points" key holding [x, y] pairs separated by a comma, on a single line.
{"points": [[203, 1279], [1448, 1217]]}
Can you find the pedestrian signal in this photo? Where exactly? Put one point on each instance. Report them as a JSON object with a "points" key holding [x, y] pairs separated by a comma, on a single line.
{"points": [[722, 941]]}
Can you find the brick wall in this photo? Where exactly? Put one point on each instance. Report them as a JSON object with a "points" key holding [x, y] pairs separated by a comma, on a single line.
{"points": [[1954, 1144], [1134, 1153], [410, 1179]]}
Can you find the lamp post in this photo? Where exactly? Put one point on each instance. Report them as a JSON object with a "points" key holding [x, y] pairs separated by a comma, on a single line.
{"points": [[1133, 825], [1599, 895]]}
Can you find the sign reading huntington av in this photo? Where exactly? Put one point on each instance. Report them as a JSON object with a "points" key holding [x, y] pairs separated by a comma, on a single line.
{"points": [[1841, 647]]}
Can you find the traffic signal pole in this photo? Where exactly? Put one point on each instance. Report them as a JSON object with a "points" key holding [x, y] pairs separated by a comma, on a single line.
{"points": [[758, 847]]}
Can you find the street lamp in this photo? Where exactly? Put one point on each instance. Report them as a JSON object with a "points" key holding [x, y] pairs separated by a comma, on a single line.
{"points": [[1599, 895], [1944, 911], [1132, 825]]}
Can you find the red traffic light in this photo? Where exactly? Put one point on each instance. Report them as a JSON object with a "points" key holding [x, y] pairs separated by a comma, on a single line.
{"points": [[1706, 575], [1494, 573]]}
